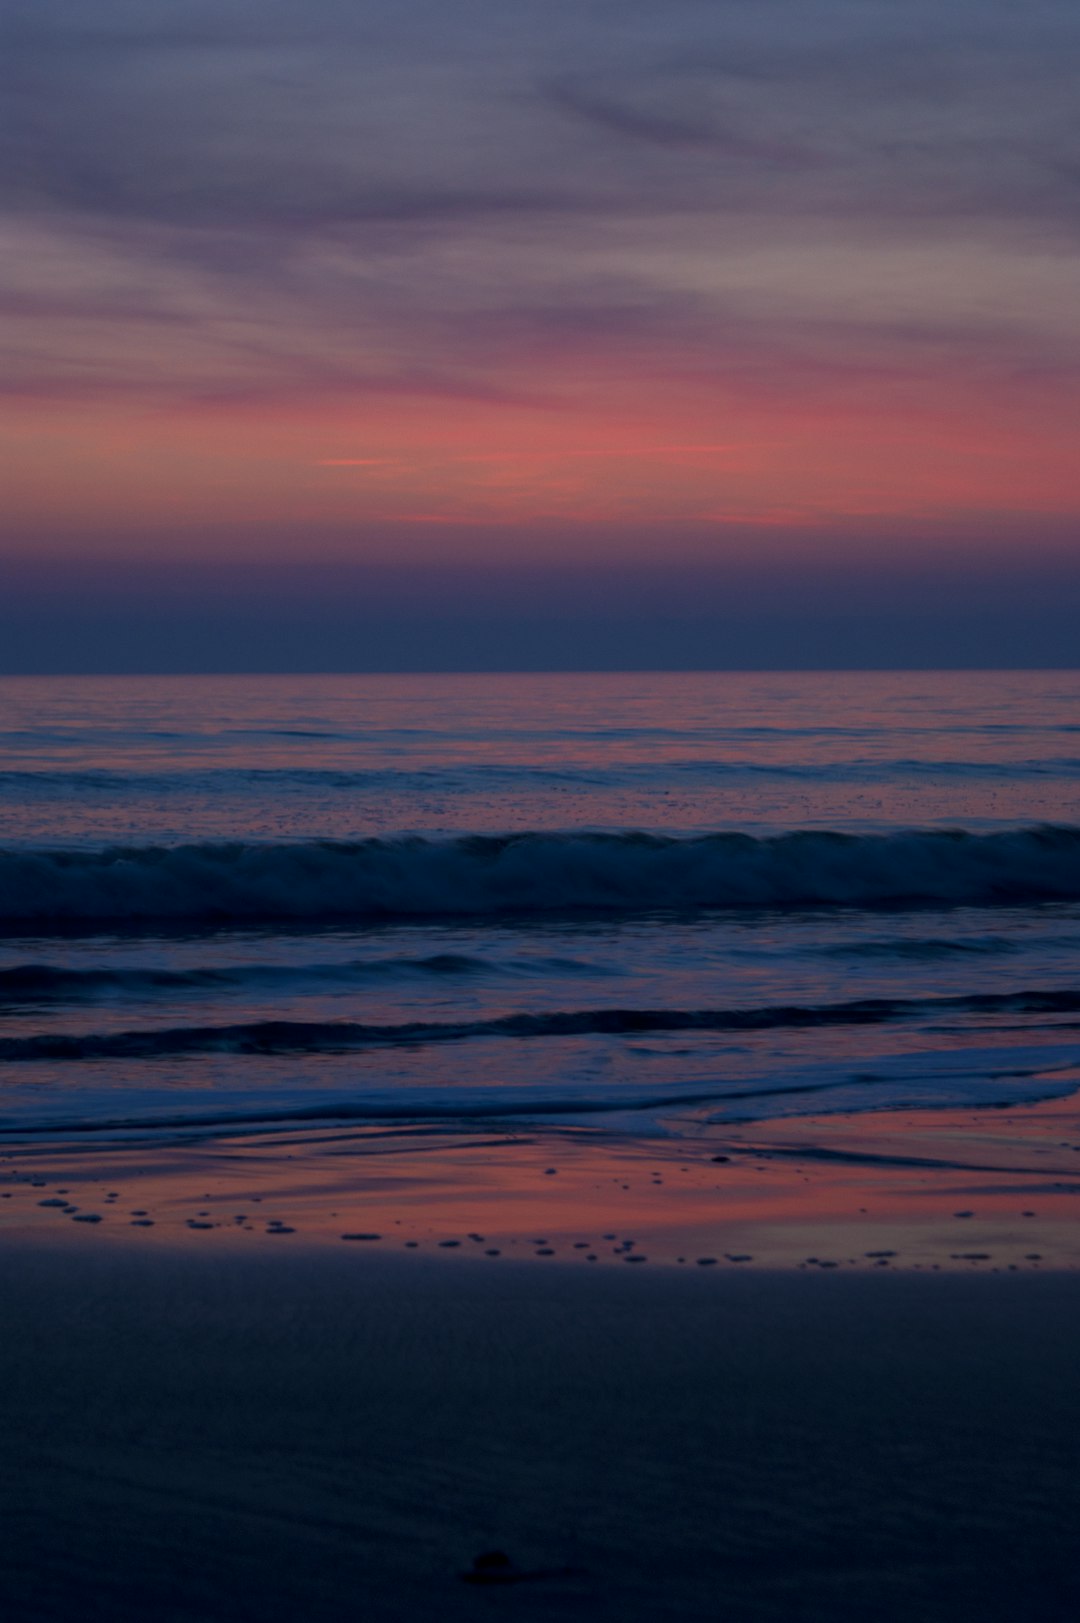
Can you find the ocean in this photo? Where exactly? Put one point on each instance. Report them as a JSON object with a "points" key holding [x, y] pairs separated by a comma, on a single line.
{"points": [[638, 904]]}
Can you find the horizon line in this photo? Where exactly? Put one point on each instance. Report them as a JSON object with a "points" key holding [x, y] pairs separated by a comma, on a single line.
{"points": [[549, 670]]}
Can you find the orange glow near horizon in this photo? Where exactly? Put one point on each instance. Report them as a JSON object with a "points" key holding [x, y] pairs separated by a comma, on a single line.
{"points": [[484, 288], [622, 451]]}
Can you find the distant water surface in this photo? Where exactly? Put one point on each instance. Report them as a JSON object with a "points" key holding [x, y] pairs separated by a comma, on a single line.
{"points": [[642, 903]]}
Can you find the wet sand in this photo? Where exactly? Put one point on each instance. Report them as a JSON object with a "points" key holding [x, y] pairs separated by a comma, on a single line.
{"points": [[865, 1407], [988, 1190]]}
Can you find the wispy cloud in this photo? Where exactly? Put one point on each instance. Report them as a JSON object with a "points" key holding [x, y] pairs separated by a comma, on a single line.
{"points": [[681, 217]]}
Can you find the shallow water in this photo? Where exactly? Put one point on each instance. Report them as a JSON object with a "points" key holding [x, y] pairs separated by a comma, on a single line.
{"points": [[642, 901]]}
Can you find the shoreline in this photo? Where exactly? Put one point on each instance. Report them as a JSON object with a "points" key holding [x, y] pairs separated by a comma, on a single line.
{"points": [[922, 1190], [865, 1406]]}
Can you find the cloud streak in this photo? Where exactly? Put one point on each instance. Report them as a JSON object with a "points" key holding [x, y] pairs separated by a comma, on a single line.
{"points": [[839, 235], [306, 118]]}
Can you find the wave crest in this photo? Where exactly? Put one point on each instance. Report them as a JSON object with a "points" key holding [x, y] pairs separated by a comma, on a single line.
{"points": [[534, 873]]}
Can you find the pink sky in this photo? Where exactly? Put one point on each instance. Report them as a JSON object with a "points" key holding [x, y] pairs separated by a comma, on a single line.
{"points": [[611, 287]]}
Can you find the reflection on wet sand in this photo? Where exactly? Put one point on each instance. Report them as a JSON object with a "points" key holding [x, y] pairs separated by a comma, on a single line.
{"points": [[991, 1189]]}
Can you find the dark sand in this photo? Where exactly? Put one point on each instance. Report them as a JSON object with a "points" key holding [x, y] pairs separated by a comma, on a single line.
{"points": [[306, 1434], [234, 1414]]}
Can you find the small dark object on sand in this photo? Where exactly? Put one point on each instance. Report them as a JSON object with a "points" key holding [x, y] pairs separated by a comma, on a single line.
{"points": [[492, 1567], [721, 1157], [496, 1567]]}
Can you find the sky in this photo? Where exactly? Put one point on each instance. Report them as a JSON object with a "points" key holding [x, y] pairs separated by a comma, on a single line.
{"points": [[353, 334]]}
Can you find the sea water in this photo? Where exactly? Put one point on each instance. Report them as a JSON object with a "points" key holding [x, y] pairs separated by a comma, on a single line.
{"points": [[640, 903]]}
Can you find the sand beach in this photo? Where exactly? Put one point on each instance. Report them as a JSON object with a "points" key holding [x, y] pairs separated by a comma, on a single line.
{"points": [[826, 1411]]}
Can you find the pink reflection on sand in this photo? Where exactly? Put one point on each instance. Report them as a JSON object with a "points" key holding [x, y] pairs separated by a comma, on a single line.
{"points": [[929, 1190]]}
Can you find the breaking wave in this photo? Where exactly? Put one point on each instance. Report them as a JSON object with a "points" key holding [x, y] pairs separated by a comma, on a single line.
{"points": [[533, 873]]}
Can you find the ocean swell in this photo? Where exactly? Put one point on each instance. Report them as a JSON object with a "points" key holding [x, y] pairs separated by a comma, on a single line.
{"points": [[32, 983], [533, 873], [343, 1036]]}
